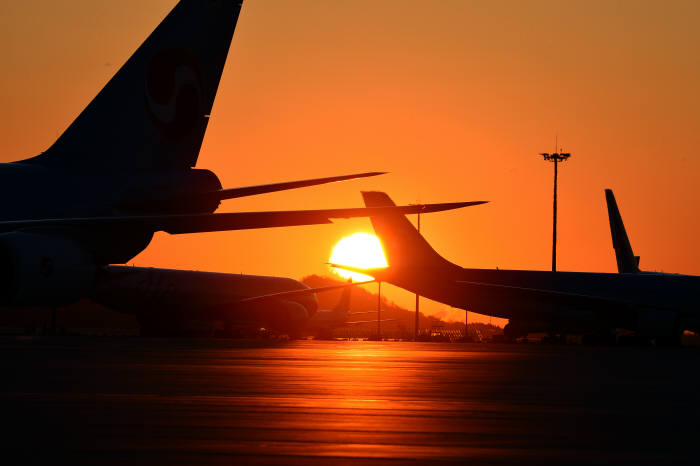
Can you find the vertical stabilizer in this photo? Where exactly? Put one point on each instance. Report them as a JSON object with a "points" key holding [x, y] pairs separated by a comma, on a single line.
{"points": [[153, 113], [403, 245], [343, 305], [627, 262]]}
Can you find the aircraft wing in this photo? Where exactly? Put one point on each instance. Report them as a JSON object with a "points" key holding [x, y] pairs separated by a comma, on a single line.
{"points": [[572, 298], [294, 293], [200, 223], [360, 322], [364, 312]]}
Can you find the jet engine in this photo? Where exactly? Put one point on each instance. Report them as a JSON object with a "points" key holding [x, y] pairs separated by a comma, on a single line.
{"points": [[287, 316], [43, 270]]}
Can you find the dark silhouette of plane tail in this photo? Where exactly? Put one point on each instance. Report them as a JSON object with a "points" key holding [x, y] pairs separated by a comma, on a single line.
{"points": [[343, 305], [153, 113], [627, 262], [403, 245]]}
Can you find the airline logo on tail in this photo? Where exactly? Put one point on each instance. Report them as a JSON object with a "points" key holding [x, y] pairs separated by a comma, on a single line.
{"points": [[174, 92]]}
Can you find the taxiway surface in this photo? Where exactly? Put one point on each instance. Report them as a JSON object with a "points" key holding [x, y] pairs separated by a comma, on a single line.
{"points": [[142, 401]]}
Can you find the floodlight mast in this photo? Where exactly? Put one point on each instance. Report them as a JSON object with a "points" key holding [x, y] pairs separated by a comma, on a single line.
{"points": [[379, 310], [415, 324], [555, 157]]}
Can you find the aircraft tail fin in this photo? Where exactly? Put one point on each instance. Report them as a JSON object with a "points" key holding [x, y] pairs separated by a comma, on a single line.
{"points": [[153, 113], [343, 305], [403, 245], [627, 262]]}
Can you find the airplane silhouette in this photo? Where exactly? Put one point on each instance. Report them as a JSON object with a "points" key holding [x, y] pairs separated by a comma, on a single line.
{"points": [[124, 169], [656, 306]]}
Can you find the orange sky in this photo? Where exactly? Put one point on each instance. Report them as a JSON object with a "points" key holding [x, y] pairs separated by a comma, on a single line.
{"points": [[454, 98]]}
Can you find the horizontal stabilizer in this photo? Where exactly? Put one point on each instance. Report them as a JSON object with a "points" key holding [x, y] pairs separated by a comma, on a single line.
{"points": [[233, 193], [201, 223], [181, 201]]}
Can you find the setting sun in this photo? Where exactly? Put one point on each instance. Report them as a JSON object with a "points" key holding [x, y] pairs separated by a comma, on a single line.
{"points": [[358, 250]]}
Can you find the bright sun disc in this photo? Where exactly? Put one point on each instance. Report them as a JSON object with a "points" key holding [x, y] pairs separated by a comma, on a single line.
{"points": [[359, 250]]}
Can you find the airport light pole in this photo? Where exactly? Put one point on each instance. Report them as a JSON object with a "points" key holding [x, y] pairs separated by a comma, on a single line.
{"points": [[415, 326], [555, 157], [379, 310], [466, 325]]}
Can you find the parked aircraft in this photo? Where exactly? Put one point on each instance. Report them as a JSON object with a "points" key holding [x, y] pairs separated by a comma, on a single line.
{"points": [[322, 324], [183, 302], [655, 306], [124, 170]]}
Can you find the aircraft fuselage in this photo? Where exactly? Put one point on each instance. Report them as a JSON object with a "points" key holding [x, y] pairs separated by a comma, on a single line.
{"points": [[38, 192], [655, 295], [166, 297]]}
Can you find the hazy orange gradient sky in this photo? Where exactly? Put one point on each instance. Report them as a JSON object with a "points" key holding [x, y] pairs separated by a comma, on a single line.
{"points": [[454, 98]]}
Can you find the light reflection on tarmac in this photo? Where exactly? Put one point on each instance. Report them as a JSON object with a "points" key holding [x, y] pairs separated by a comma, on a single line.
{"points": [[139, 401]]}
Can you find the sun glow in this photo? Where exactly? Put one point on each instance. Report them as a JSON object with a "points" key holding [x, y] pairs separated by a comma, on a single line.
{"points": [[359, 250]]}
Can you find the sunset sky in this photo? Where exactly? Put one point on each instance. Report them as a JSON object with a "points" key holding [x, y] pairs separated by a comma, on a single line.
{"points": [[454, 98]]}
